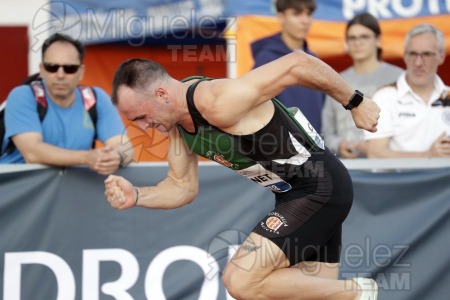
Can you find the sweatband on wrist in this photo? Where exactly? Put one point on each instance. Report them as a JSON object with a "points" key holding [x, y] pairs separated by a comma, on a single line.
{"points": [[136, 195]]}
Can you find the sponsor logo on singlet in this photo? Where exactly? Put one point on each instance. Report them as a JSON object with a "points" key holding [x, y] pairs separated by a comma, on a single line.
{"points": [[221, 160], [274, 222]]}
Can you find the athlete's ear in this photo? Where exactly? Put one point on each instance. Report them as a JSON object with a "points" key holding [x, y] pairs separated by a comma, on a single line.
{"points": [[161, 93]]}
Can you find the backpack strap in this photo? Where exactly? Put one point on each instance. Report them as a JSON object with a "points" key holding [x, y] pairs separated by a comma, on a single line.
{"points": [[39, 96], [88, 95], [90, 104]]}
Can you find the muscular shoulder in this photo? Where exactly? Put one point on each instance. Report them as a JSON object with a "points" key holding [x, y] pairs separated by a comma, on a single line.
{"points": [[223, 102]]}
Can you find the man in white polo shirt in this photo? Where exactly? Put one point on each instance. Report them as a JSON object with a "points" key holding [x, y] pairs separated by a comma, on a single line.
{"points": [[415, 110]]}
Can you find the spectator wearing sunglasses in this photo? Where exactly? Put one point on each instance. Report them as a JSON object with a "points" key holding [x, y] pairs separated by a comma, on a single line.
{"points": [[66, 135], [368, 72], [415, 111]]}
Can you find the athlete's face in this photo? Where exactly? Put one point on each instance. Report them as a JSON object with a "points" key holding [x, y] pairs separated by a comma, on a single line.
{"points": [[60, 84], [296, 23], [422, 58], [146, 109], [362, 43]]}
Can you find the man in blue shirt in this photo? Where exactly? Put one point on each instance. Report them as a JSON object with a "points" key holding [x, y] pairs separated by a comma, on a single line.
{"points": [[295, 18], [66, 134]]}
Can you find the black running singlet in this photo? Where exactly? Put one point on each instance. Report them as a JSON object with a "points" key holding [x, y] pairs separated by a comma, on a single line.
{"points": [[268, 157]]}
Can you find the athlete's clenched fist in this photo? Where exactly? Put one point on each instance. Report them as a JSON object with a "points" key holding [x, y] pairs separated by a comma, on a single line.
{"points": [[119, 192]]}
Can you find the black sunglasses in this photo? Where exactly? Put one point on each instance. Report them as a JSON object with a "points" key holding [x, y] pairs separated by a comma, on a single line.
{"points": [[68, 69]]}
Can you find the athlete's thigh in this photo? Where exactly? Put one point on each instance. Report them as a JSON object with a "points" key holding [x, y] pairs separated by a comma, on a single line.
{"points": [[320, 269], [257, 257]]}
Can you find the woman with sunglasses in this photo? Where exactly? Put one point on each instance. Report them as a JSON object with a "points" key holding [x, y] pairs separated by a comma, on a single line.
{"points": [[64, 137], [368, 73]]}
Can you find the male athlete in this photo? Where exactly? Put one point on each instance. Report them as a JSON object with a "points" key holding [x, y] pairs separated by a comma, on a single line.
{"points": [[237, 123]]}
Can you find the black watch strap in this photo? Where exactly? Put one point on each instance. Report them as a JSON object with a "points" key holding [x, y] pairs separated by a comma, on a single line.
{"points": [[355, 100]]}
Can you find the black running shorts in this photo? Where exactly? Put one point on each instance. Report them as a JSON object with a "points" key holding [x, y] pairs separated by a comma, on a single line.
{"points": [[306, 221]]}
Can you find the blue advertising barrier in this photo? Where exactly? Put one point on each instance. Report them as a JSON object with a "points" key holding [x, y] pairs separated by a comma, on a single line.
{"points": [[60, 239]]}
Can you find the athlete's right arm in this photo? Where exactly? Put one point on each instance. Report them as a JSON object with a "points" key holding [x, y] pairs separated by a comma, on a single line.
{"points": [[179, 188], [226, 102]]}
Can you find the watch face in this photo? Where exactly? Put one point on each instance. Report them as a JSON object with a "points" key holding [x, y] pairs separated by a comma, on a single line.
{"points": [[355, 100]]}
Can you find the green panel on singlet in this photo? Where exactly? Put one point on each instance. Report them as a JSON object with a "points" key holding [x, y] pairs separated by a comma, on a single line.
{"points": [[216, 145]]}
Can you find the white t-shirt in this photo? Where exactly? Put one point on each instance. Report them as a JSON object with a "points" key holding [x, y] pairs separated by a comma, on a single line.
{"points": [[412, 124], [337, 123]]}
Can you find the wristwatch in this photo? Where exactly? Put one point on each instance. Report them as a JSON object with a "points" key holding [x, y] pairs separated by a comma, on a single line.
{"points": [[355, 100]]}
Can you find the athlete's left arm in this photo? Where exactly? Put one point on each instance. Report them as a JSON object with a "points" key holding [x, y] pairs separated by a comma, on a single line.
{"points": [[233, 99]]}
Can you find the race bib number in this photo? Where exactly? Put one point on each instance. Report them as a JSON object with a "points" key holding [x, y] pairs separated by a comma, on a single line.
{"points": [[257, 173]]}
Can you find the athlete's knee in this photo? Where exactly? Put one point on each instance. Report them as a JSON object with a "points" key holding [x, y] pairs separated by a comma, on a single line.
{"points": [[240, 284], [231, 281]]}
